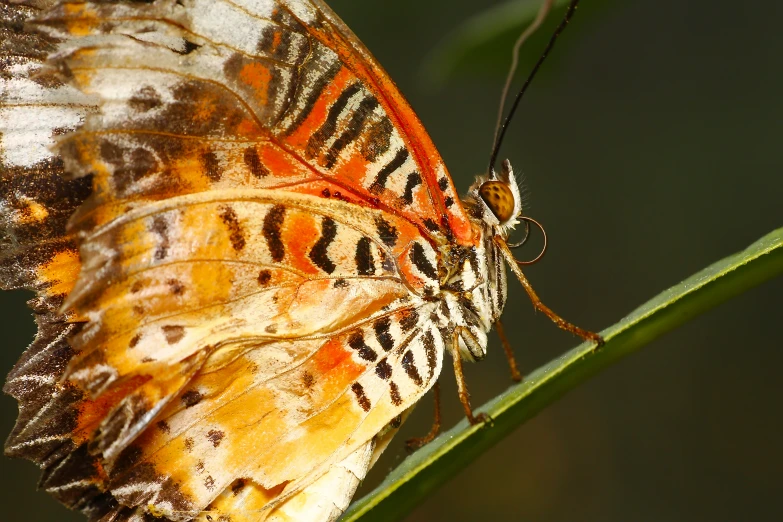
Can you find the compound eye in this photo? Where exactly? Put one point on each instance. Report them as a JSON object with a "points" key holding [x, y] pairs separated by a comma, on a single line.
{"points": [[499, 198]]}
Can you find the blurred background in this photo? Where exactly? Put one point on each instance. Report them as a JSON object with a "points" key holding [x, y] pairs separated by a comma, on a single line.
{"points": [[650, 147]]}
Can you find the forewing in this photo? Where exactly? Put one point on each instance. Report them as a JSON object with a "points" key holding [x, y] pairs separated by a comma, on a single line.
{"points": [[408, 139], [205, 94]]}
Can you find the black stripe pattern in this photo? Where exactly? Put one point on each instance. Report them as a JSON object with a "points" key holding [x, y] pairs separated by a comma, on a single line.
{"points": [[386, 232], [273, 223], [356, 341], [431, 352], [319, 254], [377, 139], [394, 392], [419, 259], [361, 398], [382, 334], [383, 175], [409, 365], [318, 87], [414, 180], [383, 370], [253, 163], [365, 264], [409, 320], [352, 130], [329, 126]]}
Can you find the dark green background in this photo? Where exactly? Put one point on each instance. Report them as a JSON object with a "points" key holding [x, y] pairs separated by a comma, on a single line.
{"points": [[650, 147]]}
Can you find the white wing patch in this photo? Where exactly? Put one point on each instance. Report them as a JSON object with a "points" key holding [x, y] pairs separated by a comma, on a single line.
{"points": [[32, 115]]}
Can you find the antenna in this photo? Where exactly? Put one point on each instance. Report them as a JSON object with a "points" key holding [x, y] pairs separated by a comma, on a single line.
{"points": [[543, 11], [560, 28]]}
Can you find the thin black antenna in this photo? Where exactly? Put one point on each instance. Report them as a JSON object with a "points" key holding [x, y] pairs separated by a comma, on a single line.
{"points": [[560, 28], [543, 11]]}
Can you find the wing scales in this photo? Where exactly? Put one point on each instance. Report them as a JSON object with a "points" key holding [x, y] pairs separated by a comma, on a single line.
{"points": [[238, 180], [301, 87], [36, 253], [263, 429]]}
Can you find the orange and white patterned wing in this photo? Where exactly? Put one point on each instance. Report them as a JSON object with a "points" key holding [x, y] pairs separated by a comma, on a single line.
{"points": [[258, 251], [36, 252]]}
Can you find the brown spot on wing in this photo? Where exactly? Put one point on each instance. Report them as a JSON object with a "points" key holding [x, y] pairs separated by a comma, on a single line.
{"points": [[238, 486], [356, 341], [173, 333], [409, 365], [235, 231], [212, 167], [253, 163], [386, 232], [145, 99], [215, 437], [377, 140], [361, 398], [271, 229], [431, 351], [383, 369], [161, 228], [382, 333], [394, 393], [176, 286], [191, 398], [130, 168], [409, 320], [264, 276]]}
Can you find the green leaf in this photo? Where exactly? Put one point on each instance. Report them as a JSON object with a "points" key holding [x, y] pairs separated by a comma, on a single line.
{"points": [[440, 460], [482, 45]]}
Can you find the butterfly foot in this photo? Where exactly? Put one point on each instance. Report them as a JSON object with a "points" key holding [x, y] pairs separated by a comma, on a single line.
{"points": [[413, 444], [482, 418], [598, 340]]}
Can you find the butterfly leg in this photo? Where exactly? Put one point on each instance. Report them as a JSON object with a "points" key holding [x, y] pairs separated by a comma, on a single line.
{"points": [[462, 388], [538, 304], [418, 442], [512, 362]]}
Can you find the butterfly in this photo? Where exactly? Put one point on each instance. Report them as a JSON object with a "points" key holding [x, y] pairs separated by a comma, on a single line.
{"points": [[248, 255]]}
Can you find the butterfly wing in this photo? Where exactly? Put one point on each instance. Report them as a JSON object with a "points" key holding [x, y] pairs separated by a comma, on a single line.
{"points": [[256, 253], [290, 84], [36, 252]]}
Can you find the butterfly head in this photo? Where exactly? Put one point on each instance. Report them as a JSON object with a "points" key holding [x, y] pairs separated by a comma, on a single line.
{"points": [[496, 199], [494, 203]]}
